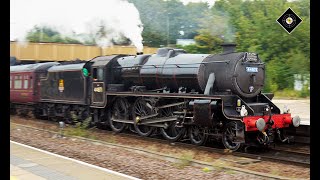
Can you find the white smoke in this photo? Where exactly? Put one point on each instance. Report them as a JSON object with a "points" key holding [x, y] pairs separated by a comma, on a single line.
{"points": [[119, 19], [220, 25]]}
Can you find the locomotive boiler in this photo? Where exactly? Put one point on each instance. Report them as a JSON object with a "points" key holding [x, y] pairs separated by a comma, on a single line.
{"points": [[175, 70]]}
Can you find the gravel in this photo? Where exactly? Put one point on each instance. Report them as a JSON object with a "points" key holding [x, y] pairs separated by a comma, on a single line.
{"points": [[137, 164]]}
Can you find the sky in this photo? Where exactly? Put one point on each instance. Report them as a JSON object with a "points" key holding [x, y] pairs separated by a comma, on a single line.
{"points": [[79, 16]]}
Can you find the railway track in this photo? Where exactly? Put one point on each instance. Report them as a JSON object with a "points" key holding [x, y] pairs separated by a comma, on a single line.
{"points": [[273, 154], [297, 148], [301, 134], [277, 154], [167, 157]]}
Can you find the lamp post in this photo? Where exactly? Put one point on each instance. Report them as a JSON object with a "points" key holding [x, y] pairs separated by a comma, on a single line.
{"points": [[168, 29], [12, 35], [41, 34]]}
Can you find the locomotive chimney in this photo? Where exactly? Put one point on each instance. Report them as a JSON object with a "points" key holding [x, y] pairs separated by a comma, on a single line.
{"points": [[228, 47]]}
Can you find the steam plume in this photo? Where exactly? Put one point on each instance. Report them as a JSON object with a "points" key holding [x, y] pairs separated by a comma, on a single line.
{"points": [[105, 20]]}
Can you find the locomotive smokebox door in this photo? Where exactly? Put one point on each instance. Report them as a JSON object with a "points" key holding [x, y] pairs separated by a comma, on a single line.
{"points": [[202, 112], [249, 75]]}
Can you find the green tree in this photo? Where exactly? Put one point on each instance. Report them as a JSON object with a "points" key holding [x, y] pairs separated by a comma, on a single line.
{"points": [[48, 34], [167, 19], [252, 25]]}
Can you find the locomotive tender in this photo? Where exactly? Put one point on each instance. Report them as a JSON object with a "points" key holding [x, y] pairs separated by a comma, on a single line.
{"points": [[171, 92]]}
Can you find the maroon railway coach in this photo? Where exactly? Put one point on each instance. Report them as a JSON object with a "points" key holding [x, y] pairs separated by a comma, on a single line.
{"points": [[25, 85]]}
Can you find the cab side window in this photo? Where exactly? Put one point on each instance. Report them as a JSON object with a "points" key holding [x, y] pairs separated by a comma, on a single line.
{"points": [[100, 74], [97, 74], [94, 73]]}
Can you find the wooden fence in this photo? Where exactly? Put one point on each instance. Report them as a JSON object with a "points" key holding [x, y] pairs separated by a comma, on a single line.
{"points": [[66, 52]]}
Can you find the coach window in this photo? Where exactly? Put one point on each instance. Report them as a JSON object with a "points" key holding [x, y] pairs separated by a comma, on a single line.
{"points": [[10, 82], [18, 82], [31, 83], [25, 82]]}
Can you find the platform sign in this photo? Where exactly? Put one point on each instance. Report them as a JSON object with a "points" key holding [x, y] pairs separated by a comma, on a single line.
{"points": [[61, 85]]}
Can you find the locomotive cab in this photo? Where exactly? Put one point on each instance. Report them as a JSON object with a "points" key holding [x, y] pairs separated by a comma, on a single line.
{"points": [[103, 77]]}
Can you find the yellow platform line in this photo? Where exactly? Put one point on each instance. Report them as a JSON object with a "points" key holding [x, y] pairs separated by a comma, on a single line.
{"points": [[13, 178]]}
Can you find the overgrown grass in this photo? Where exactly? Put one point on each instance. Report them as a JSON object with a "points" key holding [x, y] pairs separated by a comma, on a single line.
{"points": [[153, 147], [274, 172], [230, 172], [207, 169], [80, 129], [12, 126], [110, 139], [185, 160], [291, 94]]}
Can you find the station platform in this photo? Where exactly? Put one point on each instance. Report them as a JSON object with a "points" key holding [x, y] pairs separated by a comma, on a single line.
{"points": [[305, 121], [298, 107], [29, 163]]}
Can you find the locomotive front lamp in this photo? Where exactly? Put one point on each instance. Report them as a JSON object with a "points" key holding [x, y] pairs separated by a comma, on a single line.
{"points": [[238, 102], [286, 109], [243, 111]]}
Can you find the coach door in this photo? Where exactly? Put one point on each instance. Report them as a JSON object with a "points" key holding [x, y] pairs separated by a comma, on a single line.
{"points": [[98, 87]]}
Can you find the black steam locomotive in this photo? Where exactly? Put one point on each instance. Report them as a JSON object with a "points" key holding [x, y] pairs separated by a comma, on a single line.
{"points": [[171, 92]]}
